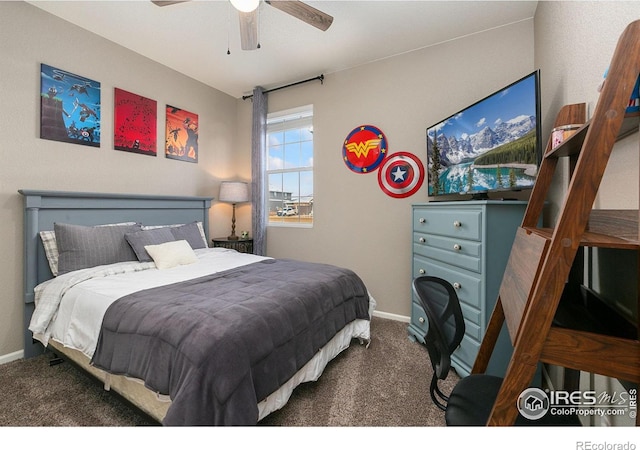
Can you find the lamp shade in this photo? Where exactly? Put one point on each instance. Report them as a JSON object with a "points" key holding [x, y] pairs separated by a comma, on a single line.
{"points": [[234, 192]]}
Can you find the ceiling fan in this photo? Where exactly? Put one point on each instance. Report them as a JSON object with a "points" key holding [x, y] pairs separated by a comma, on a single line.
{"points": [[247, 10]]}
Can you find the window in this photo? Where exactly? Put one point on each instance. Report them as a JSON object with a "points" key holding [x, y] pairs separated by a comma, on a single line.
{"points": [[290, 167]]}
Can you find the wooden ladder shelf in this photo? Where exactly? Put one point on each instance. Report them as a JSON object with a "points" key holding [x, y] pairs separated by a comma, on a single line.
{"points": [[541, 259]]}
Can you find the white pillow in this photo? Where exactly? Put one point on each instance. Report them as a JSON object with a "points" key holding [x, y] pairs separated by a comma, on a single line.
{"points": [[171, 254]]}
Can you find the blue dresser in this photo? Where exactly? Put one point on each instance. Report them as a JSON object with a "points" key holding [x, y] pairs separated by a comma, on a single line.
{"points": [[468, 244]]}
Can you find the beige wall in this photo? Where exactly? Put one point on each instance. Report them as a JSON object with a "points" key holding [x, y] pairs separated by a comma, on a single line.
{"points": [[28, 37], [573, 60], [356, 224], [574, 43]]}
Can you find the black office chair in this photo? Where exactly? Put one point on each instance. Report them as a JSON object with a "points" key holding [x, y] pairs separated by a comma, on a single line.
{"points": [[471, 400]]}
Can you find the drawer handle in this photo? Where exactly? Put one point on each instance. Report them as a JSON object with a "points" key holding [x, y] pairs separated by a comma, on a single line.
{"points": [[457, 224], [457, 286], [421, 220], [457, 247], [422, 271], [421, 319], [422, 240]]}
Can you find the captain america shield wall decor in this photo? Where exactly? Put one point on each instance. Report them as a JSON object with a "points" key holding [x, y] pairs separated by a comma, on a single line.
{"points": [[364, 149], [401, 175]]}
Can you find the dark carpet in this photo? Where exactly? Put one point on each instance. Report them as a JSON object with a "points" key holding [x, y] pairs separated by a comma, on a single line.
{"points": [[386, 384]]}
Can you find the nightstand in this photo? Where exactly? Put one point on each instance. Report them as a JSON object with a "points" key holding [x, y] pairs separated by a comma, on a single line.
{"points": [[241, 245]]}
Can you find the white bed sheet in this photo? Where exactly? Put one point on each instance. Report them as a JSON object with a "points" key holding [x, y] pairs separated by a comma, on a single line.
{"points": [[70, 309], [84, 305]]}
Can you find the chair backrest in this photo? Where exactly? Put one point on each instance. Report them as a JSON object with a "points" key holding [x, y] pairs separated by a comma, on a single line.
{"points": [[446, 323]]}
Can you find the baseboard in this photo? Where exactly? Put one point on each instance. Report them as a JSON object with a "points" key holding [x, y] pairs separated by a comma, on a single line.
{"points": [[391, 316], [11, 357]]}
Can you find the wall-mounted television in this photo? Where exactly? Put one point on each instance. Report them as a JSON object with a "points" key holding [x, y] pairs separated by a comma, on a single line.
{"points": [[493, 145]]}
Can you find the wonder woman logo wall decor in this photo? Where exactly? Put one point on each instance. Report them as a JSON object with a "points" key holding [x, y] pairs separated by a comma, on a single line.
{"points": [[364, 149]]}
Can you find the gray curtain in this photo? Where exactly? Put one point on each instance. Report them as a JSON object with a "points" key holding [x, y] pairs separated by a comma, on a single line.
{"points": [[258, 166]]}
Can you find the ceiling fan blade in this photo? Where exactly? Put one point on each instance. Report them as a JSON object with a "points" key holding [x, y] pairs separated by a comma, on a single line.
{"points": [[168, 2], [248, 30], [304, 12]]}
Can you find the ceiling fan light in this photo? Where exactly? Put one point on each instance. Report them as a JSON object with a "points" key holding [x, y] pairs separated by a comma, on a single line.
{"points": [[245, 5]]}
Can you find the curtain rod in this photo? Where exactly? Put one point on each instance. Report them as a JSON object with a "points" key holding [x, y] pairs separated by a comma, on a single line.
{"points": [[319, 77]]}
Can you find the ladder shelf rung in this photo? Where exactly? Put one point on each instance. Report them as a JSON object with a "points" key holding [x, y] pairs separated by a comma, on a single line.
{"points": [[573, 144], [592, 239]]}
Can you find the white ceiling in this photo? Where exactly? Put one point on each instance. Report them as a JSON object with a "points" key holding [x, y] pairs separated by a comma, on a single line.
{"points": [[193, 37]]}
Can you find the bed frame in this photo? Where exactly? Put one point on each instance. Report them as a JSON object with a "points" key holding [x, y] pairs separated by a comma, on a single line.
{"points": [[43, 208]]}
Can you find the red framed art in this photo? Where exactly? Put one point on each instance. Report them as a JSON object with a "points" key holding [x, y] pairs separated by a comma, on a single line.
{"points": [[135, 123]]}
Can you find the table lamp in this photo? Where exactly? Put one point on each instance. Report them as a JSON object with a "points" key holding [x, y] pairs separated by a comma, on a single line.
{"points": [[234, 192]]}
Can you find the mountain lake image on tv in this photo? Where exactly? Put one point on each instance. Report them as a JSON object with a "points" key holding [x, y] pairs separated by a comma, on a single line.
{"points": [[492, 145]]}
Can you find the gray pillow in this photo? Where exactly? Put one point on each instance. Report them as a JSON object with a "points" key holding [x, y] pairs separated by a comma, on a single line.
{"points": [[81, 247], [190, 233], [139, 239]]}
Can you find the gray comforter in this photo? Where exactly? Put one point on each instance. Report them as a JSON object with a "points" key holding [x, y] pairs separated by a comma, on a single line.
{"points": [[219, 344]]}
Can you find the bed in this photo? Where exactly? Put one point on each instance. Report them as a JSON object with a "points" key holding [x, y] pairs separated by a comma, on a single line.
{"points": [[189, 334]]}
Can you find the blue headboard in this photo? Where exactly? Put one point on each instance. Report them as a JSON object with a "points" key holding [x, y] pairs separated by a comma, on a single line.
{"points": [[43, 208]]}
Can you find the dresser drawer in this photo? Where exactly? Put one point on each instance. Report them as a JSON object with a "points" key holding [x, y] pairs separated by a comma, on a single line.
{"points": [[465, 355], [419, 318], [471, 322], [465, 224], [420, 323], [472, 318], [467, 287], [457, 252]]}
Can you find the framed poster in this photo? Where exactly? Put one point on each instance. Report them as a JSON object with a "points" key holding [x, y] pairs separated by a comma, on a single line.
{"points": [[69, 107], [182, 135], [135, 123]]}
